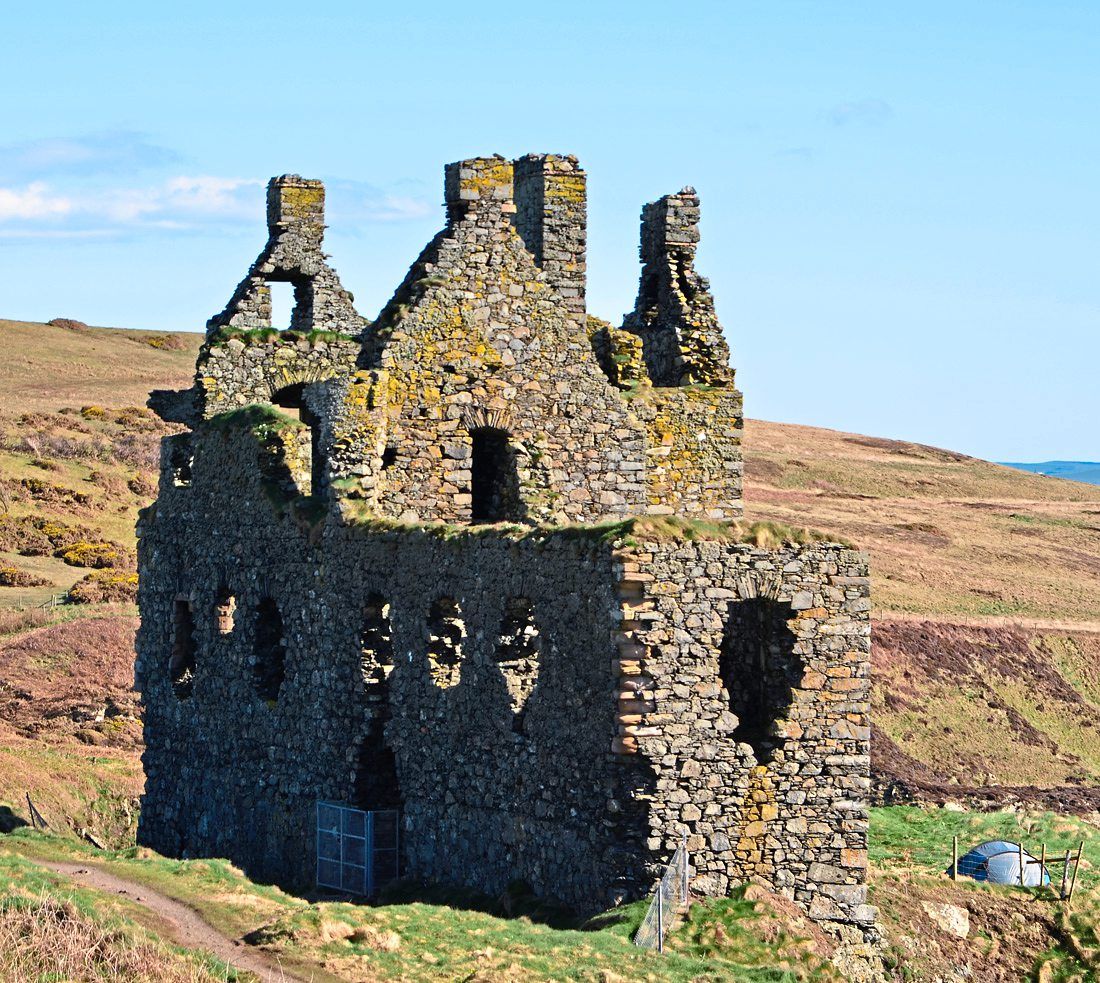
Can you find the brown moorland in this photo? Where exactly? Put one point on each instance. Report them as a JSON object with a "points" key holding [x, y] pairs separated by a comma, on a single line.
{"points": [[990, 571]]}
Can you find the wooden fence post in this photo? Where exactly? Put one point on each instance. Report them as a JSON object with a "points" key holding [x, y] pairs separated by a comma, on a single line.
{"points": [[1077, 863], [1020, 845], [1065, 872], [954, 858]]}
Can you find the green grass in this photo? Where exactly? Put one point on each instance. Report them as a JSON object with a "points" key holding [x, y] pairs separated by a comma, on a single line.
{"points": [[921, 838], [445, 934]]}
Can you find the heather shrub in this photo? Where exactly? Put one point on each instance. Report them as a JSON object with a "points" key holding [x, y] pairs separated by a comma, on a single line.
{"points": [[14, 577]]}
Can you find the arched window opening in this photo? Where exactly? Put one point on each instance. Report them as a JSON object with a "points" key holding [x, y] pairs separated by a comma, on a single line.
{"points": [[181, 663], [269, 650], [517, 654], [760, 668], [446, 630], [494, 478], [376, 643], [309, 468], [225, 610]]}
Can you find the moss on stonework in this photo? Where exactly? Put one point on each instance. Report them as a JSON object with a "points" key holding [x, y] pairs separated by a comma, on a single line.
{"points": [[268, 336], [253, 417], [628, 532]]}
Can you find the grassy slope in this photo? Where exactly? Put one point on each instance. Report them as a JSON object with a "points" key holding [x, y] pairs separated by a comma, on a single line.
{"points": [[45, 368], [949, 536], [52, 930], [998, 684], [752, 936], [457, 936]]}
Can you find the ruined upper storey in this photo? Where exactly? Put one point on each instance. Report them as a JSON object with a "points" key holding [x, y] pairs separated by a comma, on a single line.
{"points": [[483, 392], [296, 230]]}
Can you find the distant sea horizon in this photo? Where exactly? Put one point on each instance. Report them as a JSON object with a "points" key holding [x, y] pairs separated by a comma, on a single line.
{"points": [[1087, 471]]}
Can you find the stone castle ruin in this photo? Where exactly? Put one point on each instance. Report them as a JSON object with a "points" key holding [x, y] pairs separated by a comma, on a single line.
{"points": [[478, 561]]}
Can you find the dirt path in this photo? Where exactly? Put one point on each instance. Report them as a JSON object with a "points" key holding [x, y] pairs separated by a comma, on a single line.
{"points": [[185, 927], [991, 621]]}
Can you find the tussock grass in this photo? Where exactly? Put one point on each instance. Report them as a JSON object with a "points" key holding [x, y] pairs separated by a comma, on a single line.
{"points": [[50, 930]]}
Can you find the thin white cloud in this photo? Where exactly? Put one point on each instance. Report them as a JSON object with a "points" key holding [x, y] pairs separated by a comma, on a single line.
{"points": [[360, 202], [32, 202], [862, 112], [180, 204], [107, 152]]}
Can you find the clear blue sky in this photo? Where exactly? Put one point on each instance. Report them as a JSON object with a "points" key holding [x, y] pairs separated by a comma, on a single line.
{"points": [[901, 202]]}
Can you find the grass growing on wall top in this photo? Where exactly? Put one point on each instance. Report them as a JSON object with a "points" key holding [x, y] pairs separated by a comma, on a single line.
{"points": [[624, 532], [268, 336]]}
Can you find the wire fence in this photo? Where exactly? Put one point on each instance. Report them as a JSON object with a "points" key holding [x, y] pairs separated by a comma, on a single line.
{"points": [[669, 901]]}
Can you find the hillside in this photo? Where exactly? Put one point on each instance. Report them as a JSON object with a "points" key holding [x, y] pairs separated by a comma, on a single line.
{"points": [[986, 657], [989, 570], [46, 367], [950, 536]]}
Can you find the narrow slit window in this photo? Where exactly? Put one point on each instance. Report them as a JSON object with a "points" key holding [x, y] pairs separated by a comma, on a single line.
{"points": [[283, 302], [760, 670], [269, 650], [376, 643], [180, 459], [225, 611], [494, 479], [306, 458], [181, 663]]}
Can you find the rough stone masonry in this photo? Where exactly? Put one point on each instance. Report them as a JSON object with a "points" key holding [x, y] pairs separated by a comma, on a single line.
{"points": [[478, 560]]}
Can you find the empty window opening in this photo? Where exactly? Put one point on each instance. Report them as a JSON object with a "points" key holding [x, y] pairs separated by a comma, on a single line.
{"points": [[389, 458], [269, 650], [494, 480], [760, 669], [180, 459], [446, 630], [181, 663], [376, 643], [225, 610], [283, 304], [374, 781], [517, 654], [308, 464]]}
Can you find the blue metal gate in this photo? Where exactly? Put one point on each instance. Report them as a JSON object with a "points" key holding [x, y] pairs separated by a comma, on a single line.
{"points": [[357, 851]]}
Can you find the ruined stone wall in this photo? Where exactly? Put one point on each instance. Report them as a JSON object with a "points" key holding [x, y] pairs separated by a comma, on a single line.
{"points": [[674, 313], [557, 707], [232, 773], [693, 452], [744, 677], [625, 737], [236, 371], [479, 337]]}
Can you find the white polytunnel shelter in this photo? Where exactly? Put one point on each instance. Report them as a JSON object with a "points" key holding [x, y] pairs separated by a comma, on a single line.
{"points": [[998, 862]]}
